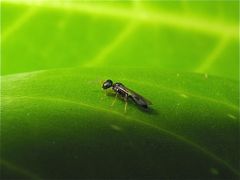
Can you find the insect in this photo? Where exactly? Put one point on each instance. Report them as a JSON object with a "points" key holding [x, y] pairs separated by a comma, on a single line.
{"points": [[126, 93]]}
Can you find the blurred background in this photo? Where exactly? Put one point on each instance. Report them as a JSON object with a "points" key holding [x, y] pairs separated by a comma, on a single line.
{"points": [[181, 36]]}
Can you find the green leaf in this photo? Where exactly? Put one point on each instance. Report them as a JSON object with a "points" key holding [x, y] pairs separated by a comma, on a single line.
{"points": [[187, 36], [60, 124]]}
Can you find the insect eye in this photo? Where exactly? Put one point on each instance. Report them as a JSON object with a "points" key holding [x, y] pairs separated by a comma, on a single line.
{"points": [[107, 84]]}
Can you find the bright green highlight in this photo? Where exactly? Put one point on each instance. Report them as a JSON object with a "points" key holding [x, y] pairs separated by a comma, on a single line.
{"points": [[180, 35]]}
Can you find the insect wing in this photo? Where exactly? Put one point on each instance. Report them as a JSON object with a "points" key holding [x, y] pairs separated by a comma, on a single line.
{"points": [[140, 100]]}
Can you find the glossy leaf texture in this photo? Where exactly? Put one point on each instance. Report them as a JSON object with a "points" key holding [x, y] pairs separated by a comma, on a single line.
{"points": [[191, 36], [60, 124]]}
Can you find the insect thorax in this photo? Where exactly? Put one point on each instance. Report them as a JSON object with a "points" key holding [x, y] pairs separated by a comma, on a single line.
{"points": [[120, 89]]}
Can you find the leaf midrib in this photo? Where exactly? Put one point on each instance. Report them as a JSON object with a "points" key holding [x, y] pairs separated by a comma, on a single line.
{"points": [[177, 136], [142, 15]]}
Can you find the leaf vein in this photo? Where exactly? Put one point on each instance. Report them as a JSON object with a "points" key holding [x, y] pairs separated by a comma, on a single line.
{"points": [[213, 56], [189, 22], [18, 23], [101, 57]]}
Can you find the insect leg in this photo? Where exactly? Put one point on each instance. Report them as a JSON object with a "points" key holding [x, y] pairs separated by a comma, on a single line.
{"points": [[114, 99], [126, 103], [105, 94]]}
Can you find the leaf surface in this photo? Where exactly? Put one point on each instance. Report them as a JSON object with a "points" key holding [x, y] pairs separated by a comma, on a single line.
{"points": [[59, 123]]}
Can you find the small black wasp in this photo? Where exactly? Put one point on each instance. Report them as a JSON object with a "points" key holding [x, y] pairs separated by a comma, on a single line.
{"points": [[126, 93]]}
